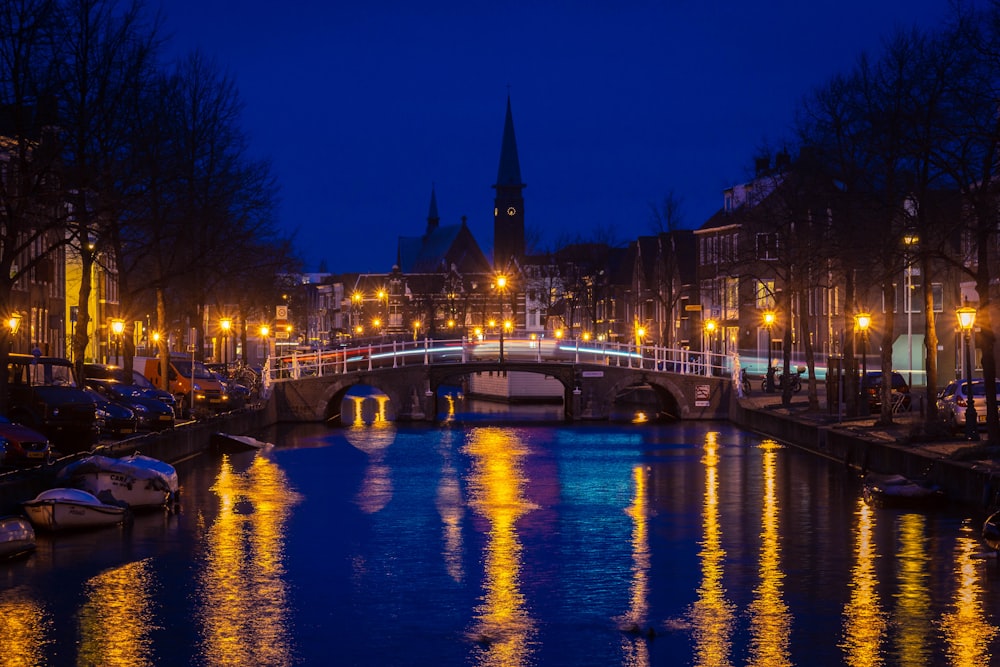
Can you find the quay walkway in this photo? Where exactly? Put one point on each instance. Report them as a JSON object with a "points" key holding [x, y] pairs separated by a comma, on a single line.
{"points": [[968, 471]]}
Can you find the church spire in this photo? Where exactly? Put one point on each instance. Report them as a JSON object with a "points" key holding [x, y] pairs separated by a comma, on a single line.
{"points": [[508, 206]]}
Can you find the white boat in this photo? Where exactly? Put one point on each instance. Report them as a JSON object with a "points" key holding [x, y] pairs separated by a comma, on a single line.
{"points": [[226, 442], [17, 537], [63, 509], [900, 491], [139, 481]]}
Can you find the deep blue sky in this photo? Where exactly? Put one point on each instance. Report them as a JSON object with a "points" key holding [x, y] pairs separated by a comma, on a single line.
{"points": [[362, 106]]}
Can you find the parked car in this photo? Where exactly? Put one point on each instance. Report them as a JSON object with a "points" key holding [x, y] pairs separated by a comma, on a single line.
{"points": [[149, 390], [44, 395], [952, 401], [113, 420], [872, 384], [152, 415], [20, 445]]}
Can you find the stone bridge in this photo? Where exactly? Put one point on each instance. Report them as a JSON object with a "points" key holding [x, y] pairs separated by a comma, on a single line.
{"points": [[589, 389]]}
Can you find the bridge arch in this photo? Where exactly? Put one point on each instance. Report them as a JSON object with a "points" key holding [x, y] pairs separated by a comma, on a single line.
{"points": [[669, 395]]}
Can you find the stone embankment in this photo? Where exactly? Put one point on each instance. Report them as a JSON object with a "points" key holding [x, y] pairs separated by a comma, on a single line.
{"points": [[173, 445], [968, 472]]}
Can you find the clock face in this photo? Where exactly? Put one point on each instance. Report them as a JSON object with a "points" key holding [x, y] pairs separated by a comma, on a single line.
{"points": [[511, 211]]}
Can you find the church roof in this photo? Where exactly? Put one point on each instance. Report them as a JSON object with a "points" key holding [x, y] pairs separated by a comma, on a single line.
{"points": [[441, 248]]}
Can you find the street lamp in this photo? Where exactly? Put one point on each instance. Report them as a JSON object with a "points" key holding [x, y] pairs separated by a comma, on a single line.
{"points": [[910, 239], [356, 301], [769, 324], [13, 323], [265, 331], [710, 327], [117, 327], [863, 321], [966, 320], [416, 329], [501, 288], [226, 323]]}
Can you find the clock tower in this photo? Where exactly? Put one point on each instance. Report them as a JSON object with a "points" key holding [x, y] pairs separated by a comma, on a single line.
{"points": [[508, 204]]}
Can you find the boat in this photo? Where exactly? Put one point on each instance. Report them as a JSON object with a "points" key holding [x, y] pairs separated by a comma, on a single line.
{"points": [[991, 531], [139, 481], [17, 537], [228, 443], [901, 491], [63, 509]]}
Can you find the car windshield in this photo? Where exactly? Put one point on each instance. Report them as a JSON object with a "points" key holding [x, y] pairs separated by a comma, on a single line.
{"points": [[184, 368]]}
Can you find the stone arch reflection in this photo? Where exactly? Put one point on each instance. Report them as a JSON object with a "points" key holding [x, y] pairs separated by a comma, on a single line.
{"points": [[364, 405], [24, 637], [116, 621], [243, 611], [864, 619], [711, 615], [503, 627], [374, 440]]}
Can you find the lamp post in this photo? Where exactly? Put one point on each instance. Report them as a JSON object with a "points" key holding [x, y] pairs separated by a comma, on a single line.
{"points": [[769, 325], [226, 323], [910, 239], [416, 329], [863, 321], [710, 327], [265, 331], [117, 328], [640, 333], [966, 320], [13, 323], [501, 287]]}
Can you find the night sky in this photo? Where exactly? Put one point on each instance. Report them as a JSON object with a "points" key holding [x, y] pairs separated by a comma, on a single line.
{"points": [[364, 106]]}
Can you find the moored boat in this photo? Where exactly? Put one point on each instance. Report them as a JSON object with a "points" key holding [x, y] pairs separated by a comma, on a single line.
{"points": [[900, 491], [228, 443], [139, 481], [17, 537], [62, 509], [991, 531]]}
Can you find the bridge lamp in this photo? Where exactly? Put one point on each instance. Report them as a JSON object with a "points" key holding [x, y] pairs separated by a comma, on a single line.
{"points": [[967, 320], [863, 321], [226, 323], [359, 329], [451, 324], [479, 333], [264, 332], [586, 335], [416, 328], [559, 334]]}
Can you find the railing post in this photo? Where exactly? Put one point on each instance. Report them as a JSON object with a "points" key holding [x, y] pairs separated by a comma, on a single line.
{"points": [[426, 360], [576, 358], [463, 350], [394, 354], [369, 357]]}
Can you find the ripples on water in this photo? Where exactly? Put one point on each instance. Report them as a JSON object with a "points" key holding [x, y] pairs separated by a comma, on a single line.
{"points": [[490, 545]]}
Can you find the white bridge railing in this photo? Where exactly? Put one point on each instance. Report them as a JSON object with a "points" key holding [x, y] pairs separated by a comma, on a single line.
{"points": [[510, 349]]}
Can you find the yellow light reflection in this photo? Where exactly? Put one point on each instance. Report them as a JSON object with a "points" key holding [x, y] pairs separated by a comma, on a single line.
{"points": [[451, 508], [711, 614], [117, 618], [635, 649], [244, 599], [23, 639], [770, 622], [967, 632], [864, 619], [376, 488], [912, 598], [503, 629]]}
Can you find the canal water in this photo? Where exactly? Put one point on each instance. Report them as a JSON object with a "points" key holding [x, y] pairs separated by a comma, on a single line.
{"points": [[518, 544]]}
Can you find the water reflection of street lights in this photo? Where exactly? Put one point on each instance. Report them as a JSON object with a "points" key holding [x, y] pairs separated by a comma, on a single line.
{"points": [[226, 323], [118, 328], [13, 323], [967, 320], [769, 318], [864, 320]]}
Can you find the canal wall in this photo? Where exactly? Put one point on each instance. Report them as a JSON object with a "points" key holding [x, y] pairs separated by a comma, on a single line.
{"points": [[861, 448], [171, 445]]}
